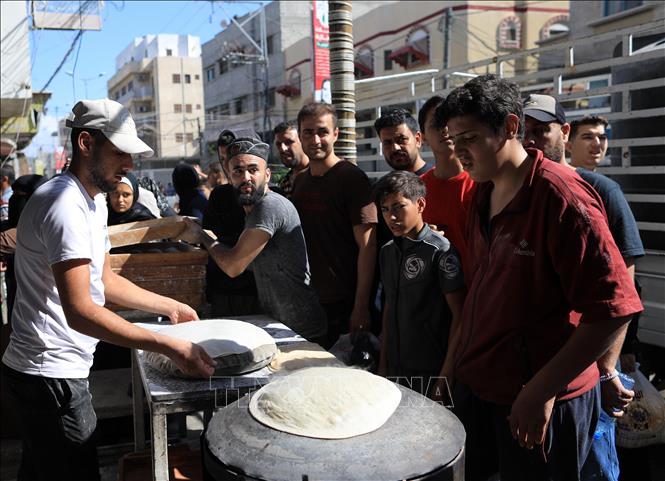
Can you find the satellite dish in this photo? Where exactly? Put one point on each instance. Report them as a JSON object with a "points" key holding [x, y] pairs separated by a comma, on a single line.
{"points": [[223, 24]]}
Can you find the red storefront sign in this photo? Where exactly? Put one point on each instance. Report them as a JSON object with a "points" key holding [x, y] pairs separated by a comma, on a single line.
{"points": [[321, 39]]}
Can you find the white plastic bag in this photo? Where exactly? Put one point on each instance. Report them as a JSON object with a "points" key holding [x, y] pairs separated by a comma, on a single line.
{"points": [[643, 423]]}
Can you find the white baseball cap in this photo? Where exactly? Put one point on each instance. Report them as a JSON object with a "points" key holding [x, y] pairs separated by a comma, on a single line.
{"points": [[113, 120]]}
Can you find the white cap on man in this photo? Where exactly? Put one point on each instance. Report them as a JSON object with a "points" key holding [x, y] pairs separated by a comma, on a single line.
{"points": [[113, 120]]}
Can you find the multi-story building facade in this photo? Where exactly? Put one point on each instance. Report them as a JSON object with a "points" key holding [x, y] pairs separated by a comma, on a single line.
{"points": [[234, 77], [159, 79]]}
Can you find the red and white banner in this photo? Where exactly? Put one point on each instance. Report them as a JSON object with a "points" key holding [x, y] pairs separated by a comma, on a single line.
{"points": [[321, 51]]}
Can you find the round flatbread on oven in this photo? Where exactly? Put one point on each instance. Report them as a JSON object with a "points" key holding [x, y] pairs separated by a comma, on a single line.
{"points": [[326, 402], [237, 347]]}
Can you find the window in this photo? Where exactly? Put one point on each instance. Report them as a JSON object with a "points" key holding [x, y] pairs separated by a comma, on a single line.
{"points": [[188, 108], [210, 74], [169, 52], [189, 137], [270, 44], [224, 109], [616, 6], [509, 36], [415, 51], [176, 78], [177, 108], [197, 77], [364, 63], [130, 86], [198, 106], [123, 91], [117, 95], [145, 54], [554, 26], [223, 66], [240, 104], [179, 138], [143, 108], [188, 78], [387, 61]]}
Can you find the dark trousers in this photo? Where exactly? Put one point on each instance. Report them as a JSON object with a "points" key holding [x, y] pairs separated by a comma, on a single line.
{"points": [[57, 425], [567, 441]]}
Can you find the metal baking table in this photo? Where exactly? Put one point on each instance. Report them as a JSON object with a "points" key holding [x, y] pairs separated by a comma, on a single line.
{"points": [[170, 395]]}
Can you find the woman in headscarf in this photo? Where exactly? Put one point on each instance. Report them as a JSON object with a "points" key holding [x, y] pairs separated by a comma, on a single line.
{"points": [[187, 185], [123, 206]]}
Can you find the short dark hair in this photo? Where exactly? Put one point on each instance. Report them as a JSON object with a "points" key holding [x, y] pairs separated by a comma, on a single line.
{"points": [[400, 182], [225, 138], [8, 171], [587, 120], [317, 109], [432, 103], [489, 98], [97, 135], [284, 126], [395, 117]]}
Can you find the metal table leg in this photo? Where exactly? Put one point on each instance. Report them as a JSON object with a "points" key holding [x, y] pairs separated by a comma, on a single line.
{"points": [[137, 406], [159, 450]]}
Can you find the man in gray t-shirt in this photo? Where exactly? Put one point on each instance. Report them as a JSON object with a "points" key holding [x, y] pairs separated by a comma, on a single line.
{"points": [[272, 242]]}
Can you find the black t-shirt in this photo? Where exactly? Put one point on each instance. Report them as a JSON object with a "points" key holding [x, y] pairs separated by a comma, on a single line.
{"points": [[226, 219]]}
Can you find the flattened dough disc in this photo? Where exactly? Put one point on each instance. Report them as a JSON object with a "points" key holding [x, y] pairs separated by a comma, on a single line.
{"points": [[326, 403], [237, 347]]}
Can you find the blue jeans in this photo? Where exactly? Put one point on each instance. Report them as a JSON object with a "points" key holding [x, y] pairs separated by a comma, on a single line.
{"points": [[57, 423], [602, 464]]}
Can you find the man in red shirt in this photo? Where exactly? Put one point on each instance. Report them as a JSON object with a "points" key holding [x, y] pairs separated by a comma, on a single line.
{"points": [[449, 188], [540, 249]]}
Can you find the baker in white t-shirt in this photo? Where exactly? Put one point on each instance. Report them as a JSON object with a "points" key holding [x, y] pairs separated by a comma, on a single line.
{"points": [[64, 278]]}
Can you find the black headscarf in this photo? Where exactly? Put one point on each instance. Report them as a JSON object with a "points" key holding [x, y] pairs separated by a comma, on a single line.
{"points": [[136, 212], [23, 188], [186, 182]]}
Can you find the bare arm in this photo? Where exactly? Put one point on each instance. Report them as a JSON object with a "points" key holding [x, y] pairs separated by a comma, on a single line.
{"points": [[613, 394], [446, 379], [233, 261], [72, 279], [532, 408], [365, 237], [123, 292]]}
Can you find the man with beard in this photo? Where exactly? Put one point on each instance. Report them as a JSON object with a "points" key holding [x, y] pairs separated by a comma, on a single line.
{"points": [[401, 141], [272, 242], [291, 153], [64, 278], [339, 221], [226, 219], [547, 130]]}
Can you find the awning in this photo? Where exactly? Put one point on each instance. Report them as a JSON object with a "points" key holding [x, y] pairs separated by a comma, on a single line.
{"points": [[364, 69], [288, 90], [401, 55]]}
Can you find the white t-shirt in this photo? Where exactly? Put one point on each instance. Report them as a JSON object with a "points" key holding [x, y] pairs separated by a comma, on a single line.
{"points": [[60, 222]]}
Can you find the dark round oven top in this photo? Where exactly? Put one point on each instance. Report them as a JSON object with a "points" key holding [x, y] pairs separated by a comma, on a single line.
{"points": [[420, 437]]}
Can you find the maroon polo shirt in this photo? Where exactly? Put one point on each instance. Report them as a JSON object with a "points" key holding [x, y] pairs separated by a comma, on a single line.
{"points": [[548, 253]]}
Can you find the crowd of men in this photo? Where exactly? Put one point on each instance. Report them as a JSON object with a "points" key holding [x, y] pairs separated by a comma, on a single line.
{"points": [[505, 272]]}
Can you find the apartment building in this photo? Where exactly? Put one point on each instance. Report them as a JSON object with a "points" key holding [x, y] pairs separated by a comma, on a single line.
{"points": [[234, 77], [160, 80]]}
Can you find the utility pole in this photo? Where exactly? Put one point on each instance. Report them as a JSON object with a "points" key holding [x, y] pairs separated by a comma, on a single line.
{"points": [[182, 90], [198, 127], [342, 78], [446, 45], [261, 59]]}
